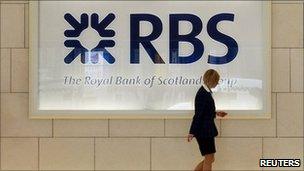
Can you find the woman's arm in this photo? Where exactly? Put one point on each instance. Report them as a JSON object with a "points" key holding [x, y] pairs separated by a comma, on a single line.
{"points": [[194, 124], [199, 112]]}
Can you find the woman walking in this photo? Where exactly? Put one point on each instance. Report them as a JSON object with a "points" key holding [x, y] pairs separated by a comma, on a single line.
{"points": [[203, 127]]}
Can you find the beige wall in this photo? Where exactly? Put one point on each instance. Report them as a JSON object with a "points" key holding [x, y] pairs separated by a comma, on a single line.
{"points": [[148, 144]]}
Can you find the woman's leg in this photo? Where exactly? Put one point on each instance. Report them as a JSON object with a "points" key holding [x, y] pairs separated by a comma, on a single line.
{"points": [[199, 167], [209, 159]]}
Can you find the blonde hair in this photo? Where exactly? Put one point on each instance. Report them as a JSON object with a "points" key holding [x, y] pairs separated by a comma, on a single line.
{"points": [[211, 76]]}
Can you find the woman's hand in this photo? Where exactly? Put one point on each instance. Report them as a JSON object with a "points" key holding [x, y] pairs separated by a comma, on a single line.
{"points": [[221, 113], [190, 137]]}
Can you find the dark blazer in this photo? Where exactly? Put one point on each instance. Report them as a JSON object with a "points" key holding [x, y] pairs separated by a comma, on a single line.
{"points": [[203, 120]]}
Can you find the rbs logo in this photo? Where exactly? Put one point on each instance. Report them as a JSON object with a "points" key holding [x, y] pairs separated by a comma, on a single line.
{"points": [[145, 41], [79, 27]]}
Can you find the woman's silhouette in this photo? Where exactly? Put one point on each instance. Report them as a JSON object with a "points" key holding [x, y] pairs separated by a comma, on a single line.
{"points": [[203, 127]]}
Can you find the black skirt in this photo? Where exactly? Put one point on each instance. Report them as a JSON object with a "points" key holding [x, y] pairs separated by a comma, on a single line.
{"points": [[206, 145]]}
